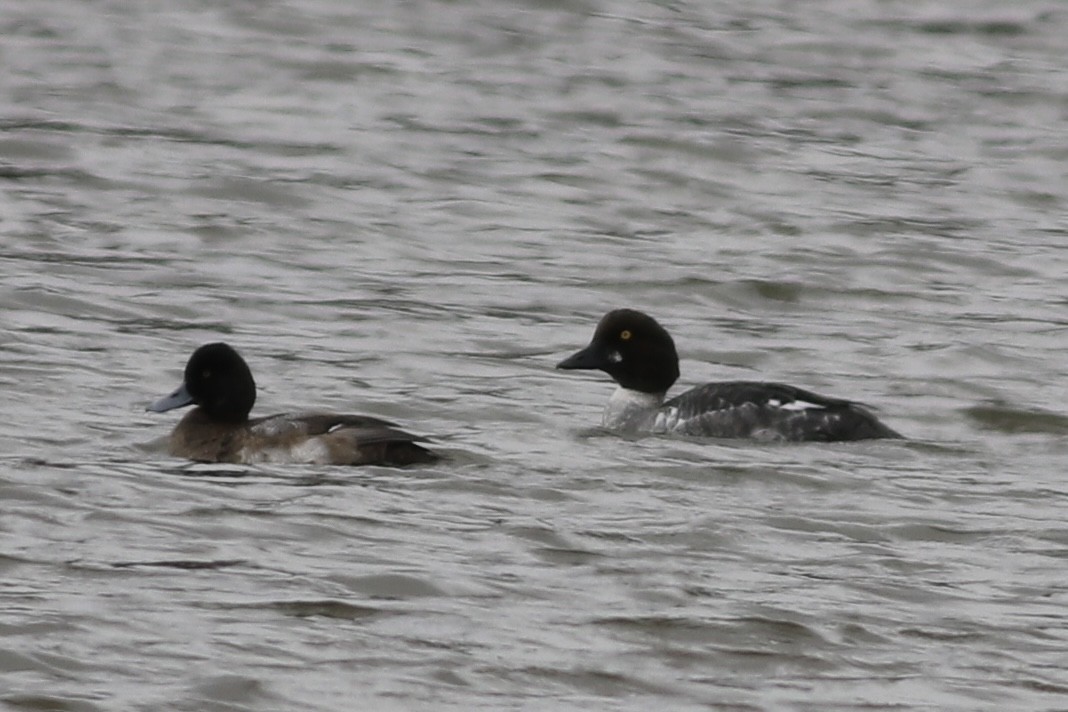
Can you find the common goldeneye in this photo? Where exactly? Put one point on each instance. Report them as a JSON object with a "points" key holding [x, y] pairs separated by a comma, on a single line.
{"points": [[640, 356], [219, 383]]}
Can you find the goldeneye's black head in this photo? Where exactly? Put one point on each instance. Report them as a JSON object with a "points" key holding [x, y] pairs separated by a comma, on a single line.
{"points": [[218, 380], [633, 349]]}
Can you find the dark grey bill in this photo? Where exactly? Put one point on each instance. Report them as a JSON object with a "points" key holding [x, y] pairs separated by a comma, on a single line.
{"points": [[177, 399], [589, 358]]}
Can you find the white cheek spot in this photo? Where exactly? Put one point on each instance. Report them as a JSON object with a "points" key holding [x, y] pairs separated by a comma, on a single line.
{"points": [[800, 405], [615, 357], [774, 402]]}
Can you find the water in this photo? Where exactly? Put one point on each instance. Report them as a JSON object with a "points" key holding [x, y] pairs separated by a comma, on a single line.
{"points": [[415, 211]]}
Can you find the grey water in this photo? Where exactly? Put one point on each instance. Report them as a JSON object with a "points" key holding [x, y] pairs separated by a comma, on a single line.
{"points": [[414, 210]]}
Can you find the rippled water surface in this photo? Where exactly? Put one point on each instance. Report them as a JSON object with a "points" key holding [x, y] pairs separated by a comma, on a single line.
{"points": [[416, 211]]}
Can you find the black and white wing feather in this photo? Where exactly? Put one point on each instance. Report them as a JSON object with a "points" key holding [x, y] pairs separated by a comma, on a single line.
{"points": [[767, 411]]}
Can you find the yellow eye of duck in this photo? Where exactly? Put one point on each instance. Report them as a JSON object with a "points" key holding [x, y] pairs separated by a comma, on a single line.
{"points": [[625, 334]]}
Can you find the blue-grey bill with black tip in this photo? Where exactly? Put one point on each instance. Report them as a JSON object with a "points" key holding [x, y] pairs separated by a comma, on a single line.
{"points": [[177, 399]]}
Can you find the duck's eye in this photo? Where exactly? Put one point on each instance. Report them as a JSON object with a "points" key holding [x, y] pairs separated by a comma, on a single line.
{"points": [[205, 374], [625, 334]]}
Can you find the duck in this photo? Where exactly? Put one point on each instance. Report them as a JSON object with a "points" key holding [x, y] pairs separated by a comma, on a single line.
{"points": [[218, 381], [639, 354]]}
